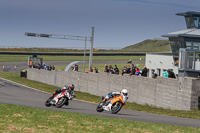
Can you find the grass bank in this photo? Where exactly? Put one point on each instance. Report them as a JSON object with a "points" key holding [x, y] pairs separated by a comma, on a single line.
{"points": [[15, 118], [195, 114]]}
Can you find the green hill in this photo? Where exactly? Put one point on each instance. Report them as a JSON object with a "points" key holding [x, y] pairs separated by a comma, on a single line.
{"points": [[150, 46]]}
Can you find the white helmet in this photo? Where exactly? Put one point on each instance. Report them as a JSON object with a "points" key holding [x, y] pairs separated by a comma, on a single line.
{"points": [[64, 88], [124, 92]]}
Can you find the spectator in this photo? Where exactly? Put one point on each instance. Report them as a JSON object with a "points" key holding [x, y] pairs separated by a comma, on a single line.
{"points": [[31, 64], [132, 66], [133, 70], [116, 70], [72, 68], [96, 70], [53, 67], [154, 75], [45, 66], [128, 70], [42, 67], [111, 70], [110, 67], [137, 72], [106, 69], [165, 74], [171, 74], [144, 72], [39, 66], [123, 70], [49, 68], [76, 67]]}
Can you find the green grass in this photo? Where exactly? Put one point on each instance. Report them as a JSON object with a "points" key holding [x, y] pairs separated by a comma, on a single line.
{"points": [[195, 114], [150, 46], [16, 119], [24, 58]]}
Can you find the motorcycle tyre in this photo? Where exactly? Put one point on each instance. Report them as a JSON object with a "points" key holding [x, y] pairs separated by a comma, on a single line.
{"points": [[99, 108], [62, 103], [118, 109], [66, 103], [47, 103]]}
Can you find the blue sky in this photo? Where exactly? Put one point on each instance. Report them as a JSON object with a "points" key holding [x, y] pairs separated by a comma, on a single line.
{"points": [[118, 23]]}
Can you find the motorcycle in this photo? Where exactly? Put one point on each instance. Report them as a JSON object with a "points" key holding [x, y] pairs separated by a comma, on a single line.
{"points": [[59, 100], [113, 104]]}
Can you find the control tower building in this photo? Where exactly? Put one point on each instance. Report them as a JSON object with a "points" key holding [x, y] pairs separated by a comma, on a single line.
{"points": [[185, 45]]}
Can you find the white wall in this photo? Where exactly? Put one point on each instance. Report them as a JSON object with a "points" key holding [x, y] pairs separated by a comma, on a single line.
{"points": [[159, 61]]}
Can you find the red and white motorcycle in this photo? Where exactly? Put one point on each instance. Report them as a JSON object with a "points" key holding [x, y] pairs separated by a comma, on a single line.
{"points": [[59, 100]]}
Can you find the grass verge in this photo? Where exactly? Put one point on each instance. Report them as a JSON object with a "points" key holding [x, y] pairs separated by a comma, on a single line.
{"points": [[15, 118], [24, 58], [195, 114]]}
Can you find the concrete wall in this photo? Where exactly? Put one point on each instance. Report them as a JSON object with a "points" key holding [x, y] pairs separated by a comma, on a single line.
{"points": [[176, 94]]}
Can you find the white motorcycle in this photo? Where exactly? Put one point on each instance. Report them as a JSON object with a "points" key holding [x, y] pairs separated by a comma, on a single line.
{"points": [[59, 100]]}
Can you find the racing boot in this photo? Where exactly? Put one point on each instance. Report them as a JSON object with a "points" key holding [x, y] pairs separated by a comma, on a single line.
{"points": [[104, 101]]}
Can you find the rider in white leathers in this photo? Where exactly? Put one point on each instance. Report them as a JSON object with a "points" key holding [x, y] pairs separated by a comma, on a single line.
{"points": [[124, 94]]}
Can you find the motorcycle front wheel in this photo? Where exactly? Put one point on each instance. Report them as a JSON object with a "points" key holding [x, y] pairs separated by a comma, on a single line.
{"points": [[61, 102], [116, 107], [99, 107], [47, 103]]}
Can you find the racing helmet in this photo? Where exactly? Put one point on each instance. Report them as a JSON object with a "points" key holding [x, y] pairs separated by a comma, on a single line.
{"points": [[64, 87], [71, 87], [124, 92]]}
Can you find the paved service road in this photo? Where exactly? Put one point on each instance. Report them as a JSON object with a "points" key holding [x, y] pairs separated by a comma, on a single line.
{"points": [[10, 66], [12, 93]]}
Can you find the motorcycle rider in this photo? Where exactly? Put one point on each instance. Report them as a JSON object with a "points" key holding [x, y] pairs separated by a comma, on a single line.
{"points": [[70, 90], [124, 94]]}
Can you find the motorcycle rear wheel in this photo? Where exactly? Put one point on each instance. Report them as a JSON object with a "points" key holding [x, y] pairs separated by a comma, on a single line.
{"points": [[61, 102], [99, 107], [116, 107]]}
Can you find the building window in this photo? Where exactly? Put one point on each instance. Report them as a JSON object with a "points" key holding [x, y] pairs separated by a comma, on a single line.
{"points": [[192, 22], [193, 45], [190, 60], [175, 45]]}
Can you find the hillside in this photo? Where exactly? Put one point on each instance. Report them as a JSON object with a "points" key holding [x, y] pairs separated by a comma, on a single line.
{"points": [[150, 46]]}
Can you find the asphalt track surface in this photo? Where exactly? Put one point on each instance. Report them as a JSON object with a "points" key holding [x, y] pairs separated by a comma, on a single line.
{"points": [[13, 93], [10, 66]]}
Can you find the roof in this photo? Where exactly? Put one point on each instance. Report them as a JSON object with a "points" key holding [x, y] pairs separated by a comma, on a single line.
{"points": [[189, 13], [184, 33]]}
